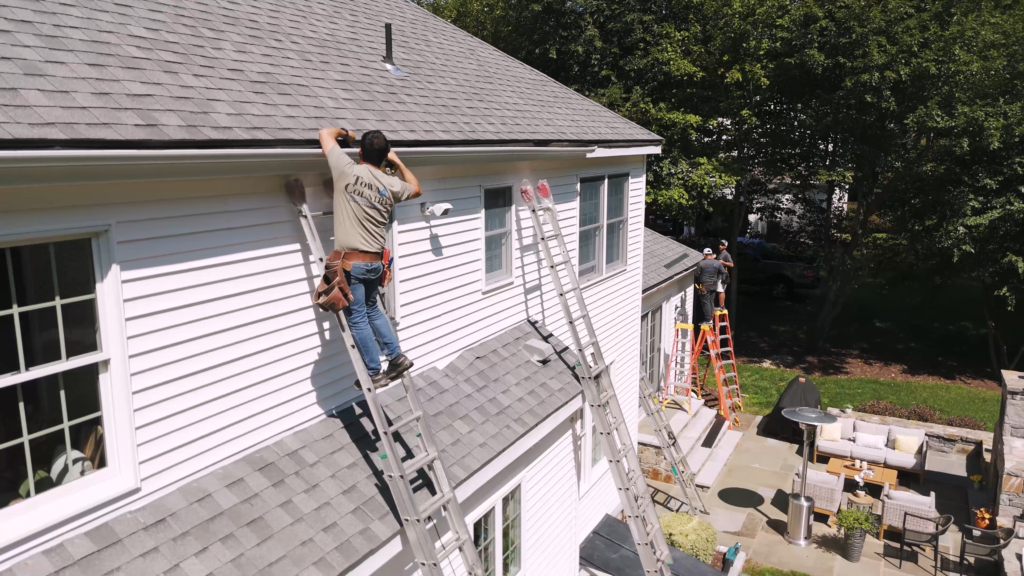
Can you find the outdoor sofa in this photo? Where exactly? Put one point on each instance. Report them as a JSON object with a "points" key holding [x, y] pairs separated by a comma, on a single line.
{"points": [[848, 447]]}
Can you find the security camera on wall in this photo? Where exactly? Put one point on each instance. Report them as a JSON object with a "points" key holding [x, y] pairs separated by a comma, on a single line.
{"points": [[439, 209]]}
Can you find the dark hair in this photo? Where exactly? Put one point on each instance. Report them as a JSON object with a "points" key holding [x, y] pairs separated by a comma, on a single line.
{"points": [[374, 147]]}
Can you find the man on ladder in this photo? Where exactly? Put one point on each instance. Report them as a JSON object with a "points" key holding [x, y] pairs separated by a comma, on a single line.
{"points": [[363, 199], [709, 271]]}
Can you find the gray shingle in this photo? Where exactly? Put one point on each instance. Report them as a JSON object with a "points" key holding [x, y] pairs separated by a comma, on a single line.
{"points": [[277, 510], [665, 259], [234, 61]]}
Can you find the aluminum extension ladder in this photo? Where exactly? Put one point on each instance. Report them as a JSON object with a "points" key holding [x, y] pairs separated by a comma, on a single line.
{"points": [[399, 475], [637, 503], [669, 446]]}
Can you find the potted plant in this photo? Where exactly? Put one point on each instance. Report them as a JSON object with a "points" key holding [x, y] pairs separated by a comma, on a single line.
{"points": [[856, 524], [977, 481], [982, 518]]}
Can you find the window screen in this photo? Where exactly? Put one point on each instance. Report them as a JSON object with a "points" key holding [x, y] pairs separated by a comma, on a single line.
{"points": [[497, 234]]}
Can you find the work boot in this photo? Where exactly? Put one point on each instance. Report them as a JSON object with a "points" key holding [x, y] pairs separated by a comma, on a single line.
{"points": [[379, 381], [397, 366]]}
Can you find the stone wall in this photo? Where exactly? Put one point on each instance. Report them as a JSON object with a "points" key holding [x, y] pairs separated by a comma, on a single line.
{"points": [[1008, 461], [945, 439], [654, 465], [1006, 475]]}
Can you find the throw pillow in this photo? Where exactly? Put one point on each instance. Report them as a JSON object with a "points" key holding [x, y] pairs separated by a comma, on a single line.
{"points": [[832, 432], [869, 440], [909, 498], [907, 444]]}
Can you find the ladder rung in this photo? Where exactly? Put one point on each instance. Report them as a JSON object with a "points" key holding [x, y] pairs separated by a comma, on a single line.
{"points": [[435, 503], [607, 396], [451, 548], [584, 345], [725, 349], [403, 422], [728, 361], [561, 262], [730, 374], [733, 387], [576, 319], [547, 237], [723, 336], [421, 461], [324, 213]]}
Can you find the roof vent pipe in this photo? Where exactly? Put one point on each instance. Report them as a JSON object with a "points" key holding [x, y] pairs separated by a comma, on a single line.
{"points": [[389, 58]]}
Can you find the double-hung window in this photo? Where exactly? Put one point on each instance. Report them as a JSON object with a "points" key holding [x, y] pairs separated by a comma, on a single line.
{"points": [[51, 425], [501, 557], [650, 345], [602, 224], [497, 234]]}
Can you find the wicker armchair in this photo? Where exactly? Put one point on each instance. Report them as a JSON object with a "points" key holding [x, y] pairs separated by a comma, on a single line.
{"points": [[985, 544], [825, 489], [897, 503]]}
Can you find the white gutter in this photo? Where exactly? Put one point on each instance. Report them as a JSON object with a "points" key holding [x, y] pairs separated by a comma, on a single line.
{"points": [[37, 158], [48, 167]]}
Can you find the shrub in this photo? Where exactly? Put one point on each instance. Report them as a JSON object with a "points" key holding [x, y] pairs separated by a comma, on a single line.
{"points": [[923, 414], [919, 413], [690, 534], [966, 422]]}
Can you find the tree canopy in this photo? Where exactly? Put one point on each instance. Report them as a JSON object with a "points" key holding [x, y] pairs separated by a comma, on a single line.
{"points": [[909, 109]]}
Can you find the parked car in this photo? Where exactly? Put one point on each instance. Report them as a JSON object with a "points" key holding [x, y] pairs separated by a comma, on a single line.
{"points": [[780, 273]]}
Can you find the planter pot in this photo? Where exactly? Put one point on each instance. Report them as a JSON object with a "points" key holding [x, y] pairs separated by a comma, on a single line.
{"points": [[981, 522], [854, 545], [847, 410], [977, 485]]}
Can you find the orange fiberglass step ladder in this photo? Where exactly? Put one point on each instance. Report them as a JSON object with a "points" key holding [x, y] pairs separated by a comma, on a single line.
{"points": [[727, 394], [415, 517]]}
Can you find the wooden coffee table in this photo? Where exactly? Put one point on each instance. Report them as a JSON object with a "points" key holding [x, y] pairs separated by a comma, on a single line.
{"points": [[882, 474]]}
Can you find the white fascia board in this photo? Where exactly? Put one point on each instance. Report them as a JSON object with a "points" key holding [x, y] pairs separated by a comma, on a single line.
{"points": [[478, 479], [41, 167], [629, 151]]}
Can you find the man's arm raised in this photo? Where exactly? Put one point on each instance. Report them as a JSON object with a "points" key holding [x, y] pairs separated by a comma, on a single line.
{"points": [[329, 137], [407, 175]]}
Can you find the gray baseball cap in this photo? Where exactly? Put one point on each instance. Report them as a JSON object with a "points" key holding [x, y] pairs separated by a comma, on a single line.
{"points": [[708, 252]]}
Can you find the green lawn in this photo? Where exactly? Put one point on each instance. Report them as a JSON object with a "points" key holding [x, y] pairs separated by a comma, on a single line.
{"points": [[755, 569], [764, 385]]}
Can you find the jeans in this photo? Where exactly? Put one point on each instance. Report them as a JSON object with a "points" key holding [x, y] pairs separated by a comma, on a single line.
{"points": [[365, 318], [707, 303]]}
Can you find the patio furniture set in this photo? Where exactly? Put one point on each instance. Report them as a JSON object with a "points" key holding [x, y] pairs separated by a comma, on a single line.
{"points": [[889, 449]]}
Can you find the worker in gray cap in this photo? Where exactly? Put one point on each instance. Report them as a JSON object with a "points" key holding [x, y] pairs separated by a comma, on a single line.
{"points": [[709, 271], [726, 259]]}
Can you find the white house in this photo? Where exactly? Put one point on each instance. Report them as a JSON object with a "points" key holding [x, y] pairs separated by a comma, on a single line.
{"points": [[155, 321], [667, 292]]}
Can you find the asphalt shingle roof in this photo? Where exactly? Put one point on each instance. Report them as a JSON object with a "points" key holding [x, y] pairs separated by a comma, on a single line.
{"points": [[316, 501], [664, 259], [272, 70]]}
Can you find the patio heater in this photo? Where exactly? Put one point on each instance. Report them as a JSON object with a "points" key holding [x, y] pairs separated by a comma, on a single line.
{"points": [[801, 507]]}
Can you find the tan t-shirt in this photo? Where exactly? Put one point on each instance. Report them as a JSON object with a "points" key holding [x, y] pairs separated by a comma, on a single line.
{"points": [[363, 200]]}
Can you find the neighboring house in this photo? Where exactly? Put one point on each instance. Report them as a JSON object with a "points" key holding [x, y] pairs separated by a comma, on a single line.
{"points": [[154, 289], [667, 291]]}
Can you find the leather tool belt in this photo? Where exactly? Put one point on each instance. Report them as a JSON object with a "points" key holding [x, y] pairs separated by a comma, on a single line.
{"points": [[333, 293]]}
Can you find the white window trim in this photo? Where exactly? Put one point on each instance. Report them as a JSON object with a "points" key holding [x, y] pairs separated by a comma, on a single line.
{"points": [[659, 351], [603, 270], [55, 511], [494, 504], [509, 277]]}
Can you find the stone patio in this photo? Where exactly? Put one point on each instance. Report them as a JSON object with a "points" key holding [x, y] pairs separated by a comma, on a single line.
{"points": [[748, 505]]}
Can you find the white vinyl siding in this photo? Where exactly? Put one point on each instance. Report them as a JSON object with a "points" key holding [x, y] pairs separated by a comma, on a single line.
{"points": [[225, 351], [497, 234]]}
